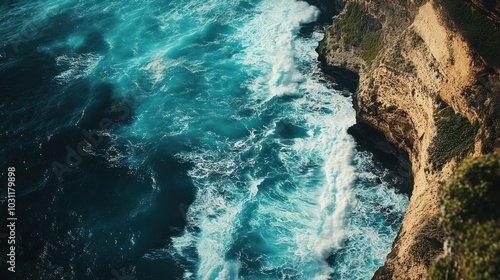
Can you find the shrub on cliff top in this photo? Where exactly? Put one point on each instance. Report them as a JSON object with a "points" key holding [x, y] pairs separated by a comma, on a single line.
{"points": [[443, 269], [472, 214]]}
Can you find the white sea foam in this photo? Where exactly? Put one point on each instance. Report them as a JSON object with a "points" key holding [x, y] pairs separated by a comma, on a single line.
{"points": [[306, 215], [77, 66], [268, 39], [308, 222]]}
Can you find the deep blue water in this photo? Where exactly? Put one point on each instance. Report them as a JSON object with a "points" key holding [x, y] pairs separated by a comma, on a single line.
{"points": [[183, 140]]}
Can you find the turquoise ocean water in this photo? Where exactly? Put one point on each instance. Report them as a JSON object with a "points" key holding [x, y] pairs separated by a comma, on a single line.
{"points": [[228, 155]]}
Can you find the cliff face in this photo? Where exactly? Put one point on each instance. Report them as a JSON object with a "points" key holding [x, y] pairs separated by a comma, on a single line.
{"points": [[416, 66]]}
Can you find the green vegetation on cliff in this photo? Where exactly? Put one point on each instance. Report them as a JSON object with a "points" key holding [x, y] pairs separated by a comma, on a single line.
{"points": [[370, 44], [472, 215], [443, 269], [477, 22], [455, 136], [356, 29], [429, 242], [480, 31]]}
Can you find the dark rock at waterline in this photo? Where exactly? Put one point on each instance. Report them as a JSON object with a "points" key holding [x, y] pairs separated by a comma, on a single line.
{"points": [[342, 77], [368, 138], [397, 162]]}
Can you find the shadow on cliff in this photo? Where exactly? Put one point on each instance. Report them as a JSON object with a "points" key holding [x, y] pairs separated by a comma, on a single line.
{"points": [[386, 155]]}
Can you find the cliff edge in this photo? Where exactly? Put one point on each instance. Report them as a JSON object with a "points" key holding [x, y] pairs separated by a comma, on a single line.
{"points": [[431, 86]]}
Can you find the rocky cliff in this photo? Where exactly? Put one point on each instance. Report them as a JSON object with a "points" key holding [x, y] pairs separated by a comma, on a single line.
{"points": [[431, 89]]}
